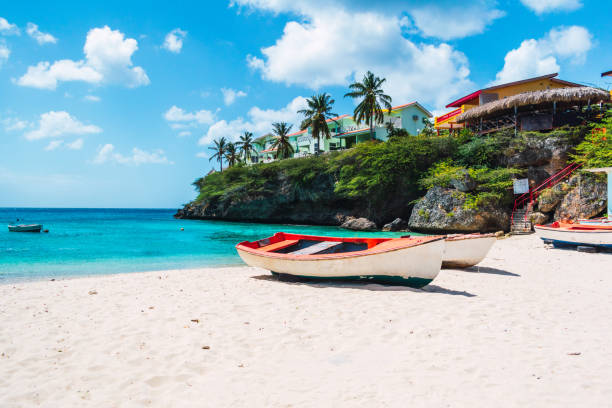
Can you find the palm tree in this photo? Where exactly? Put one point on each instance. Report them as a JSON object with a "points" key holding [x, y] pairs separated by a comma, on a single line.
{"points": [[282, 145], [316, 115], [220, 148], [246, 145], [370, 109], [231, 154]]}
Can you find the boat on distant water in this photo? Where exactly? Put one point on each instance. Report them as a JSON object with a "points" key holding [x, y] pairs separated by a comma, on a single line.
{"points": [[465, 250], [576, 234], [413, 262], [25, 228]]}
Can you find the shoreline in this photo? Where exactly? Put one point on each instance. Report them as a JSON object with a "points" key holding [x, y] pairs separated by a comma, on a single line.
{"points": [[528, 324]]}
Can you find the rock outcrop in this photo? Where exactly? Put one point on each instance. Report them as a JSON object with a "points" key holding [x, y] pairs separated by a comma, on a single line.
{"points": [[444, 210], [586, 199], [359, 224], [396, 225]]}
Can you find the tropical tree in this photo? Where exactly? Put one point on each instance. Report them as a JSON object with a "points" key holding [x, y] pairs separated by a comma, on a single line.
{"points": [[220, 148], [316, 114], [373, 100], [246, 145], [428, 130], [281, 143], [231, 155]]}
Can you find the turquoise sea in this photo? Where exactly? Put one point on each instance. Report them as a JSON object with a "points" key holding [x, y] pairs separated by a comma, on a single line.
{"points": [[107, 241]]}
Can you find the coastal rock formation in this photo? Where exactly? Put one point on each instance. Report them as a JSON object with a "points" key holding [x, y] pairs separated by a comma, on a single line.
{"points": [[278, 200], [396, 225], [551, 197], [586, 199], [359, 224], [464, 182], [538, 218], [444, 209]]}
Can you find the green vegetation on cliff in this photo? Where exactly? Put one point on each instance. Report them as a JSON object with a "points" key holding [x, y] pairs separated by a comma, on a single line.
{"points": [[382, 180]]}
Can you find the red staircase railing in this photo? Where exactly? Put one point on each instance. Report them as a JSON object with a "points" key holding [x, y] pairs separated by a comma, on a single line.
{"points": [[534, 192]]}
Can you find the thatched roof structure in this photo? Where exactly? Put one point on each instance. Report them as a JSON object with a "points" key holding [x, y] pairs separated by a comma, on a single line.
{"points": [[560, 95]]}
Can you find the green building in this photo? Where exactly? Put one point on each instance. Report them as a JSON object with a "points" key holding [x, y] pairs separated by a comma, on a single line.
{"points": [[346, 133]]}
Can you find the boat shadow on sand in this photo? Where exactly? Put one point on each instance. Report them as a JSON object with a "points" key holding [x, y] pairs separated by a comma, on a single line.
{"points": [[318, 283], [487, 269]]}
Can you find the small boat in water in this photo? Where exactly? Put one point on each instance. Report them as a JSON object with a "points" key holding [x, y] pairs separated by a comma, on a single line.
{"points": [[25, 228], [595, 221], [413, 262], [575, 234], [465, 250]]}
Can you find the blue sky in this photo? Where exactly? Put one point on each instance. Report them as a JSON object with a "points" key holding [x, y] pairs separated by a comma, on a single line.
{"points": [[115, 104]]}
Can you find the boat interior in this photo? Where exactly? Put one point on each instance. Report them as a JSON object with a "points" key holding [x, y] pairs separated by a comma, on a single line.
{"points": [[295, 244]]}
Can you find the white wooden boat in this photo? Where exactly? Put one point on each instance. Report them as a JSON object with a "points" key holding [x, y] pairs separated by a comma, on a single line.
{"points": [[576, 234], [25, 228], [412, 262], [595, 221], [465, 250]]}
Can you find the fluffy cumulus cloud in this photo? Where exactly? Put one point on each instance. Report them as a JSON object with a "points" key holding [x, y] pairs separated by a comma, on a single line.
{"points": [[178, 116], [259, 121], [230, 95], [108, 59], [333, 47], [7, 28], [542, 56], [546, 6], [432, 20], [107, 154], [40, 37], [174, 40], [57, 124]]}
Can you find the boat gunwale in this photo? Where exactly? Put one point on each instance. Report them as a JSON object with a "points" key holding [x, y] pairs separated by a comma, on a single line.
{"points": [[573, 229], [412, 242], [461, 237]]}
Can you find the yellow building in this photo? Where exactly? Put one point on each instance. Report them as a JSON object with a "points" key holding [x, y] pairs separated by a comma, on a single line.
{"points": [[494, 93]]}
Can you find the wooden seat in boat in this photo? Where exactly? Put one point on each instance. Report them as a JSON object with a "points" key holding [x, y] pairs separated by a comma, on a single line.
{"points": [[279, 245], [316, 248]]}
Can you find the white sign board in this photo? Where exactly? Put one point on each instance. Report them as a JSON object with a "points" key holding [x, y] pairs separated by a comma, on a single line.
{"points": [[521, 186]]}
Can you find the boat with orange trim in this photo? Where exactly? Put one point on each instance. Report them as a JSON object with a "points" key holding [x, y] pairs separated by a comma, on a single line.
{"points": [[575, 234], [411, 261]]}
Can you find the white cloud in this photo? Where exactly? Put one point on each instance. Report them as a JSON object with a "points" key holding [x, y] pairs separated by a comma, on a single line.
{"points": [[259, 122], [202, 155], [174, 40], [7, 28], [432, 20], [230, 95], [39, 36], [108, 59], [334, 48], [54, 144], [92, 98], [14, 124], [540, 57], [76, 145], [107, 154], [545, 6], [5, 52], [56, 124], [176, 114], [184, 133]]}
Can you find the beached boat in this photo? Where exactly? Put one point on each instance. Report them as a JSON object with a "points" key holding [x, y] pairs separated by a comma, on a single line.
{"points": [[465, 250], [412, 262], [575, 234], [595, 221], [25, 228]]}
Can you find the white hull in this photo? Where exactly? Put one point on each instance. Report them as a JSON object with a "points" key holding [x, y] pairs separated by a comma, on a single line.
{"points": [[25, 228], [463, 253], [575, 237], [420, 261]]}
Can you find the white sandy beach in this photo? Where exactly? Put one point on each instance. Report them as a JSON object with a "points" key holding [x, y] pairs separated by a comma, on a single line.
{"points": [[532, 328]]}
